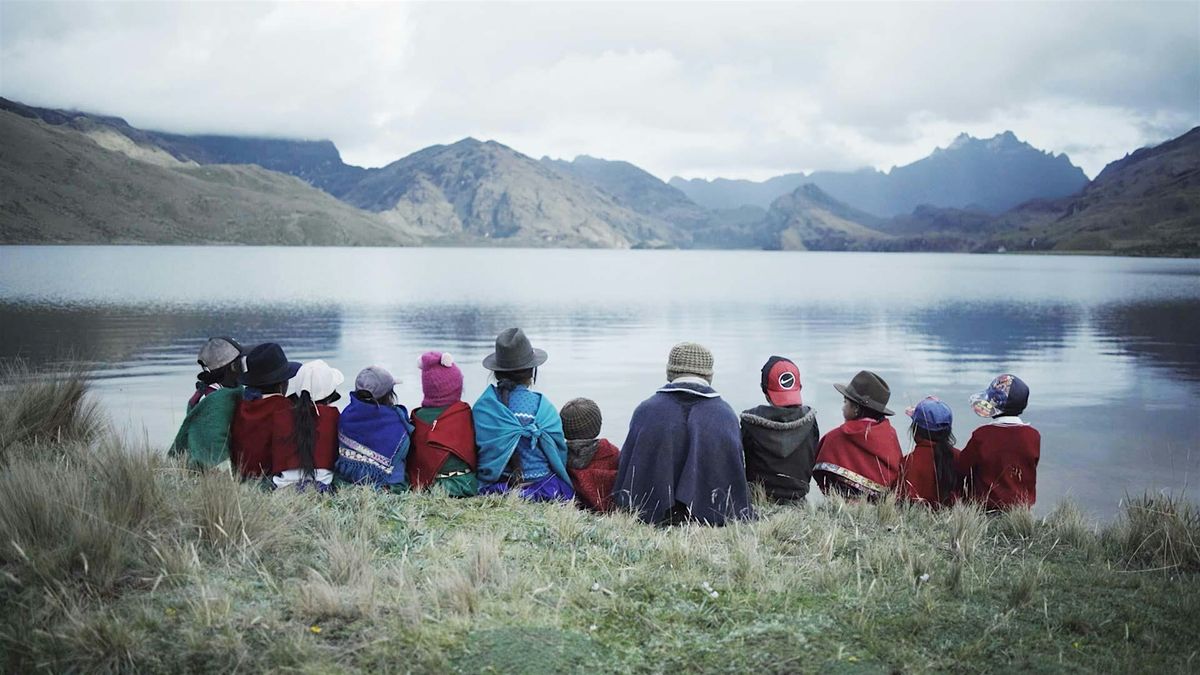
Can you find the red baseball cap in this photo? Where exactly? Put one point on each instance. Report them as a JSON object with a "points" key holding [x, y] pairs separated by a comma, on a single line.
{"points": [[781, 381]]}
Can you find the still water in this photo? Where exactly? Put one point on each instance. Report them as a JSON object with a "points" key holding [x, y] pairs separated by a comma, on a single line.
{"points": [[1110, 347]]}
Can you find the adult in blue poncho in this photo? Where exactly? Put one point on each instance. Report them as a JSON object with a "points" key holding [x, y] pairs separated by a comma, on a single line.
{"points": [[682, 460], [518, 431]]}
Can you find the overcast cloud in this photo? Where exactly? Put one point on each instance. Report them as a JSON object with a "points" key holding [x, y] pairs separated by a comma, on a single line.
{"points": [[735, 90]]}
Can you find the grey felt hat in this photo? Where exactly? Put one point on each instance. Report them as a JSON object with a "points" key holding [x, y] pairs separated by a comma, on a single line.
{"points": [[868, 390], [514, 352]]}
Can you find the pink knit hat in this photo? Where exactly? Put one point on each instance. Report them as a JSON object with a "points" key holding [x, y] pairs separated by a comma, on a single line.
{"points": [[441, 380]]}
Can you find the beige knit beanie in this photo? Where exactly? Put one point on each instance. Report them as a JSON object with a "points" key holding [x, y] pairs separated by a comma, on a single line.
{"points": [[689, 358]]}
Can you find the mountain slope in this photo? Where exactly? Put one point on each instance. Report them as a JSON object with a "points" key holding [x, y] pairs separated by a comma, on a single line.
{"points": [[487, 190], [1147, 203], [731, 193], [317, 163], [809, 219], [59, 185], [633, 188], [990, 175]]}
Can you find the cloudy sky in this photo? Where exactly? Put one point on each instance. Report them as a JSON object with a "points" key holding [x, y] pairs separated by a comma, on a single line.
{"points": [[699, 90]]}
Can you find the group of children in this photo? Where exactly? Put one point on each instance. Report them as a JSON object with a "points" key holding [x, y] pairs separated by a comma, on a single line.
{"points": [[273, 420]]}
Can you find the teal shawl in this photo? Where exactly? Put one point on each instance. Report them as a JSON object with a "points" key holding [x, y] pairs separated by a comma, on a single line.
{"points": [[204, 434], [497, 432]]}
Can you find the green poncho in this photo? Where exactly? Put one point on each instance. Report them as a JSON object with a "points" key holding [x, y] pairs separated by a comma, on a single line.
{"points": [[204, 434]]}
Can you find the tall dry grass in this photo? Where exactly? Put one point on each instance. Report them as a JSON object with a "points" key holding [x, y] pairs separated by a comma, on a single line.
{"points": [[116, 558], [38, 408]]}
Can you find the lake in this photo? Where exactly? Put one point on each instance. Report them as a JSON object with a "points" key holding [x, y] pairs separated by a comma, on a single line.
{"points": [[1110, 347]]}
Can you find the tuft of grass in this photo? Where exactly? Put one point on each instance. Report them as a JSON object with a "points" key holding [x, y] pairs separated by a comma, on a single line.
{"points": [[1157, 532], [38, 409], [968, 526], [1017, 522]]}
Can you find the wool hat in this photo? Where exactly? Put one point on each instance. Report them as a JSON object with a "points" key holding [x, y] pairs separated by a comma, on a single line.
{"points": [[581, 419], [868, 390], [376, 381], [219, 352], [931, 414], [689, 358], [781, 382], [1006, 395], [441, 380], [318, 378], [513, 352], [267, 364]]}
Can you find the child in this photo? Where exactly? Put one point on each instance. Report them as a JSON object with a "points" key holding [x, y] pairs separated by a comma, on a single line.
{"points": [[374, 434], [305, 447], [861, 458], [520, 436], [927, 473], [591, 461], [252, 434], [1000, 461], [220, 361], [780, 438], [204, 434], [443, 451]]}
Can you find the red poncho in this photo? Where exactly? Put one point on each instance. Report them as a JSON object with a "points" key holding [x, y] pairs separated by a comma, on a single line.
{"points": [[918, 477], [862, 454], [452, 433], [594, 483], [252, 435], [1000, 462]]}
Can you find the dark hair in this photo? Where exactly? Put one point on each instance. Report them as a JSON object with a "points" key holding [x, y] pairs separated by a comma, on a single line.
{"points": [[367, 397], [304, 433], [864, 411], [943, 456], [507, 380], [273, 388]]}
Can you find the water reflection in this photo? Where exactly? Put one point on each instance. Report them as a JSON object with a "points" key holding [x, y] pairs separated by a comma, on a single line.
{"points": [[1108, 346]]}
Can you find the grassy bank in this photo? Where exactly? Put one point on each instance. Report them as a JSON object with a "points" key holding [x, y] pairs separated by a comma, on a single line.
{"points": [[113, 557]]}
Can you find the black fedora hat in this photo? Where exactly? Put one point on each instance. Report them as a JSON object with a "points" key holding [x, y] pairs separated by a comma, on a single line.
{"points": [[868, 390], [514, 352], [267, 364]]}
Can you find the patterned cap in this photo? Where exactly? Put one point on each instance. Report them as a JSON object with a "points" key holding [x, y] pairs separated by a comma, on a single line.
{"points": [[581, 419], [1006, 395], [689, 358]]}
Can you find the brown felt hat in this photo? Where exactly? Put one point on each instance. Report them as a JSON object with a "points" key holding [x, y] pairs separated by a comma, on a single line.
{"points": [[868, 390]]}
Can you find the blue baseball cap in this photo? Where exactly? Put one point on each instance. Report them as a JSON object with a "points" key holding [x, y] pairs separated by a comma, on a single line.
{"points": [[931, 414]]}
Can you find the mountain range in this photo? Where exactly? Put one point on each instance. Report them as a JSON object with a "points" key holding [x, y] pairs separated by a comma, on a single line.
{"points": [[991, 175], [72, 176]]}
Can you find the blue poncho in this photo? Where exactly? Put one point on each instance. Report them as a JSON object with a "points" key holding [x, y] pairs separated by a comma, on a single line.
{"points": [[498, 431], [683, 453], [373, 444]]}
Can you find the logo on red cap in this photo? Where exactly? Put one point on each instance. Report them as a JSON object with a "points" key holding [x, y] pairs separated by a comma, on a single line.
{"points": [[781, 382]]}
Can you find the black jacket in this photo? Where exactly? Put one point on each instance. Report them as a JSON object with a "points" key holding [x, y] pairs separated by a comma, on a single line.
{"points": [[781, 447]]}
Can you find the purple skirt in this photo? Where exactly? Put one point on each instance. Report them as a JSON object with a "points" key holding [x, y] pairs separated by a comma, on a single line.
{"points": [[548, 489]]}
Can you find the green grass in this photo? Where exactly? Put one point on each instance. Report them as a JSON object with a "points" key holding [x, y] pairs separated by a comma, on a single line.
{"points": [[115, 558]]}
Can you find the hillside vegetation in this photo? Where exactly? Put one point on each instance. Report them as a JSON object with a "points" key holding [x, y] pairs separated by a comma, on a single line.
{"points": [[113, 558]]}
